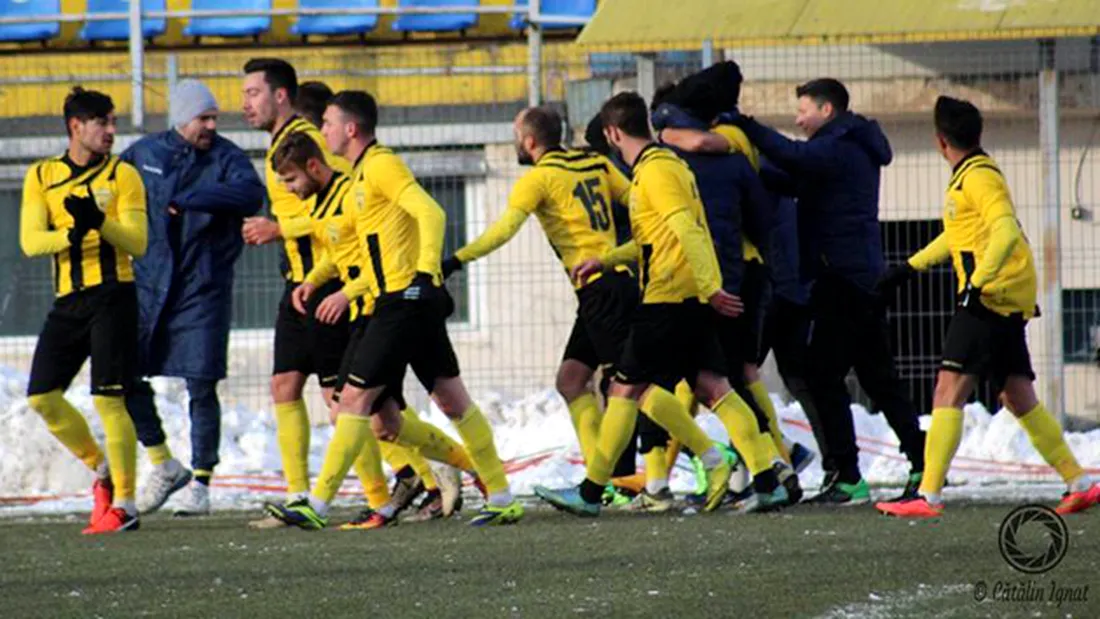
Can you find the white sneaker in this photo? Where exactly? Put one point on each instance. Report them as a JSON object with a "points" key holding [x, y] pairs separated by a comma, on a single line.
{"points": [[165, 480], [194, 502], [449, 480]]}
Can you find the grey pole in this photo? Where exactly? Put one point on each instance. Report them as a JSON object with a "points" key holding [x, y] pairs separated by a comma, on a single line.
{"points": [[534, 55], [1051, 244], [172, 64], [647, 75], [137, 68], [708, 53]]}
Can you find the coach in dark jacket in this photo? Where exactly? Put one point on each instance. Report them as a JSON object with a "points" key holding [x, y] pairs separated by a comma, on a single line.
{"points": [[835, 177], [199, 187]]}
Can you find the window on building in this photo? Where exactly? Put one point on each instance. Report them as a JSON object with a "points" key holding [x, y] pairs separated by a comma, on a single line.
{"points": [[1080, 325]]}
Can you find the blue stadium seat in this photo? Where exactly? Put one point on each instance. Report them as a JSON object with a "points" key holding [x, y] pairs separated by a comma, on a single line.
{"points": [[335, 24], [228, 26], [435, 23], [561, 8], [119, 29], [41, 31]]}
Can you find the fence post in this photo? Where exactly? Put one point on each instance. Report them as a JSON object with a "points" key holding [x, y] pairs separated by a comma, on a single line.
{"points": [[1051, 279], [137, 68], [534, 55], [647, 75], [708, 53], [172, 68]]}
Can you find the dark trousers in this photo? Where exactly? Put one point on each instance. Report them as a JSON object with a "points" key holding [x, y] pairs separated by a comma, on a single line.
{"points": [[206, 420], [848, 331], [786, 335]]}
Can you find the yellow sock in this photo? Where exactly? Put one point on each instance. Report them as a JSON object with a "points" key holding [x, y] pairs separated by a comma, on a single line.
{"points": [[352, 437], [120, 442], [672, 452], [478, 437], [669, 413], [944, 436], [585, 412], [656, 465], [292, 431], [368, 467], [423, 470], [1047, 438], [616, 430], [159, 454], [400, 456], [68, 426], [686, 397], [432, 443], [745, 433], [759, 393]]}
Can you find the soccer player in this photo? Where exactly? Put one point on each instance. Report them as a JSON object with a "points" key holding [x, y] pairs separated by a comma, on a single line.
{"points": [[671, 334], [303, 345], [401, 228], [571, 193], [302, 169], [987, 336], [312, 99], [86, 209]]}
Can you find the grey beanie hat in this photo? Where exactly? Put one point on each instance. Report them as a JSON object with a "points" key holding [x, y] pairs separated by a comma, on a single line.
{"points": [[189, 99]]}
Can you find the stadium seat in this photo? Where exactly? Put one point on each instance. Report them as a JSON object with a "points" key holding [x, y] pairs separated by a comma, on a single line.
{"points": [[558, 8], [40, 31], [335, 24], [447, 22], [119, 29], [228, 26]]}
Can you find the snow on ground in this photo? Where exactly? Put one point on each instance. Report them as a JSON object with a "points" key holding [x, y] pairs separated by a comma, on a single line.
{"points": [[37, 475]]}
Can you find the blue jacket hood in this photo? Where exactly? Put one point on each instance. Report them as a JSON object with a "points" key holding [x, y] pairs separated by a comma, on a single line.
{"points": [[863, 131]]}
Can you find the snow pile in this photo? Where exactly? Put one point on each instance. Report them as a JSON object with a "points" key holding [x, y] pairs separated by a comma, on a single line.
{"points": [[533, 434]]}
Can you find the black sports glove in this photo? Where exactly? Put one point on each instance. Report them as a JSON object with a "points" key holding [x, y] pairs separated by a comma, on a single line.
{"points": [[85, 212], [894, 278], [451, 265], [423, 290], [971, 297]]}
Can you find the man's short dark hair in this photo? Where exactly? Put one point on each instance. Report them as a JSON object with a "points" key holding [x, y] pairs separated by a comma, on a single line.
{"points": [[360, 106], [544, 123], [278, 73], [593, 135], [959, 122], [297, 148], [662, 94], [84, 105], [627, 112], [311, 101], [825, 90]]}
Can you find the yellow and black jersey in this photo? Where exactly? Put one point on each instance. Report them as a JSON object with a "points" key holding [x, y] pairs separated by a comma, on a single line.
{"points": [[739, 143], [663, 186], [570, 192], [118, 191], [291, 212], [400, 226], [978, 196], [334, 231]]}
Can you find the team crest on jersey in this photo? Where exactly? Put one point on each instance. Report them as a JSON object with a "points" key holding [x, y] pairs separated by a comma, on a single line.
{"points": [[333, 233], [360, 197], [103, 197], [949, 207]]}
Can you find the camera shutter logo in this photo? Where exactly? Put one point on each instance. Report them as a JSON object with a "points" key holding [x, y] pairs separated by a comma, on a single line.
{"points": [[1033, 560]]}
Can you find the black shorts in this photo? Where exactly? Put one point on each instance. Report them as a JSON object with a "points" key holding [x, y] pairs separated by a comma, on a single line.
{"points": [[987, 345], [100, 322], [394, 391], [603, 320], [670, 342], [756, 294], [302, 344], [735, 335], [402, 333]]}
